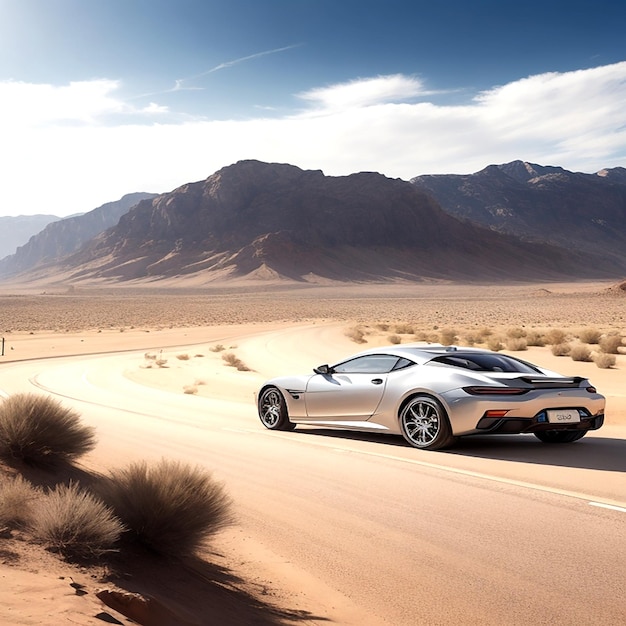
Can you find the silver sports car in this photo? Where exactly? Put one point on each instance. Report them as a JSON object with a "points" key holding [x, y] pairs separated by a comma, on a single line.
{"points": [[431, 394]]}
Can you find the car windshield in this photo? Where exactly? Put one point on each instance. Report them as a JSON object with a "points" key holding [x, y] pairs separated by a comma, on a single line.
{"points": [[486, 363]]}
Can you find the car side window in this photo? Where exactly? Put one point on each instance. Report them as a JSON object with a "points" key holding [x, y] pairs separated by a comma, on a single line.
{"points": [[368, 364]]}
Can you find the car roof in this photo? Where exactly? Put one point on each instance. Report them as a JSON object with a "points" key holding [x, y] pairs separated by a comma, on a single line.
{"points": [[420, 352]]}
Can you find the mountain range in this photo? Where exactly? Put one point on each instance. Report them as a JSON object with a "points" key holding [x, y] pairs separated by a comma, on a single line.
{"points": [[268, 221]]}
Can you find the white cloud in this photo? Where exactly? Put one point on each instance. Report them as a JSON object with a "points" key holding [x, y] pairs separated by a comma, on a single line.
{"points": [[58, 155], [364, 92]]}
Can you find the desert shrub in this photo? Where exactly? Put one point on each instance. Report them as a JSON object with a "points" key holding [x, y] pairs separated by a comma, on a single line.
{"points": [[515, 333], [589, 335], [233, 361], [190, 389], [604, 361], [170, 507], [394, 339], [555, 336], [74, 522], [468, 340], [383, 327], [483, 334], [516, 344], [17, 496], [217, 348], [610, 343], [448, 336], [424, 336], [149, 356], [535, 338], [494, 343], [560, 349], [580, 352], [403, 329], [356, 334], [40, 431], [182, 357]]}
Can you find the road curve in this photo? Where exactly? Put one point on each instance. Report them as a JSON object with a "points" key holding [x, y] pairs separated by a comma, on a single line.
{"points": [[496, 531]]}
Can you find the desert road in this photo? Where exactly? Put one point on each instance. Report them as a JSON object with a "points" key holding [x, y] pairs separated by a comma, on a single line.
{"points": [[364, 529]]}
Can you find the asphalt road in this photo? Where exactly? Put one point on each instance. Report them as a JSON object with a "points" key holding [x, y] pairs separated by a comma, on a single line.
{"points": [[500, 530]]}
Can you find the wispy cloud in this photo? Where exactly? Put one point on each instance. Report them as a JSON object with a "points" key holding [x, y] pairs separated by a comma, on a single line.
{"points": [[365, 92], [227, 64], [389, 124], [181, 84]]}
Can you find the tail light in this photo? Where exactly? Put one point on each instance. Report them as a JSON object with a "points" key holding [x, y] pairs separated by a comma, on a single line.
{"points": [[591, 389], [495, 391]]}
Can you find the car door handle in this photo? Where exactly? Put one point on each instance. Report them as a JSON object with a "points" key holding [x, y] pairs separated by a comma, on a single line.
{"points": [[377, 381]]}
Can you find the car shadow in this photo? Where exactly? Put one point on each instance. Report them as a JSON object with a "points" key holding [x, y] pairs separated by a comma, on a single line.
{"points": [[591, 452]]}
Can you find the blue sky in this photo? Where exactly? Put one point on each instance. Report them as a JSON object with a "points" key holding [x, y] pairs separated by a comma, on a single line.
{"points": [[99, 98]]}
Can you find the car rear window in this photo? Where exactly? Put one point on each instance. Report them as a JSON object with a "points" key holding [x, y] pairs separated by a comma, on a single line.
{"points": [[486, 363]]}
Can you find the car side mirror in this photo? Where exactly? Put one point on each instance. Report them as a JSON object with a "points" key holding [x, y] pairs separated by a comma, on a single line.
{"points": [[323, 369]]}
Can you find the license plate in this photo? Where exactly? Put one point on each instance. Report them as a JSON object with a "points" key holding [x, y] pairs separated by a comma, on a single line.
{"points": [[563, 416]]}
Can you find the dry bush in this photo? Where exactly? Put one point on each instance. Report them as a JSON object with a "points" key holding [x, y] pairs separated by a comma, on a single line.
{"points": [[74, 522], [233, 361], [190, 389], [217, 348], [149, 356], [515, 333], [495, 344], [40, 431], [448, 336], [589, 335], [394, 339], [535, 338], [356, 334], [604, 361], [17, 496], [182, 357], [170, 507], [516, 344], [468, 340], [428, 337], [560, 349], [610, 343], [382, 327], [403, 329], [555, 336], [580, 352], [483, 334]]}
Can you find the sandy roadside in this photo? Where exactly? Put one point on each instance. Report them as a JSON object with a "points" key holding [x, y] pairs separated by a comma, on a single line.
{"points": [[31, 584]]}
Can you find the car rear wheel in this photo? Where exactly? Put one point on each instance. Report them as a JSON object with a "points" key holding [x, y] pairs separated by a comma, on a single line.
{"points": [[425, 424], [560, 436], [273, 410]]}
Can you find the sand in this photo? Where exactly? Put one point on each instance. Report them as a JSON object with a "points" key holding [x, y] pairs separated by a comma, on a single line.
{"points": [[38, 588]]}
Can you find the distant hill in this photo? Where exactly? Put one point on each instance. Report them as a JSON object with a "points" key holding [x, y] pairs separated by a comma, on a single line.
{"points": [[580, 212], [268, 221], [16, 231], [64, 236]]}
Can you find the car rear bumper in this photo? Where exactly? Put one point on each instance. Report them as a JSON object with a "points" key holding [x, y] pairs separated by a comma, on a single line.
{"points": [[517, 425]]}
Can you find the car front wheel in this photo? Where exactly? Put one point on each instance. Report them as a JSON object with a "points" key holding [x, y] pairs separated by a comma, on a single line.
{"points": [[273, 410], [560, 436], [425, 424]]}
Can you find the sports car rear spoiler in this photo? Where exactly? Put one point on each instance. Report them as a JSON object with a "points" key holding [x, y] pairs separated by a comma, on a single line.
{"points": [[553, 383]]}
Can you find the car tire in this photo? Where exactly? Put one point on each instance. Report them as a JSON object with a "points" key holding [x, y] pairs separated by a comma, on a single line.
{"points": [[560, 436], [424, 423], [273, 410]]}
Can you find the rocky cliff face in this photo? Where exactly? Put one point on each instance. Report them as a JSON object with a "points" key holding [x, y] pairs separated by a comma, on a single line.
{"points": [[64, 236], [583, 212], [262, 220], [16, 231]]}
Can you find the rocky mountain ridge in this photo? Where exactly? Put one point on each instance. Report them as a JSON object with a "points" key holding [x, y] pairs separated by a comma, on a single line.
{"points": [[64, 236], [268, 221], [583, 212]]}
